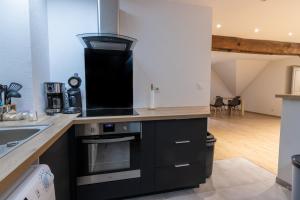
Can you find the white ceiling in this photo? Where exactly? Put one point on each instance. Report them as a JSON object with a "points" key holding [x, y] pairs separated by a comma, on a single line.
{"points": [[219, 57], [274, 18]]}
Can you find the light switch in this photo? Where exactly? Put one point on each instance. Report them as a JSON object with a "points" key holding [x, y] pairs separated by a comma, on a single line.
{"points": [[199, 86]]}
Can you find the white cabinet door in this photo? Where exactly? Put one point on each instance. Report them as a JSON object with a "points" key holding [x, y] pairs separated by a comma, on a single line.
{"points": [[296, 80]]}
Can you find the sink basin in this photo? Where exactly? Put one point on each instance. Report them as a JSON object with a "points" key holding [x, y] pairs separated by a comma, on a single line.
{"points": [[12, 137]]}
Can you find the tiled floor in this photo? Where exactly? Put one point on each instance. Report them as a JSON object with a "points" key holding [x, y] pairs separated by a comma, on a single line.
{"points": [[233, 179]]}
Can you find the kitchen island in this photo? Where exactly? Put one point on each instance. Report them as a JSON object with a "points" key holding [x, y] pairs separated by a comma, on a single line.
{"points": [[15, 163], [289, 137]]}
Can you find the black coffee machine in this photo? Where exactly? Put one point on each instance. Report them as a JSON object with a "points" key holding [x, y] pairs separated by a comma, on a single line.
{"points": [[54, 93], [74, 101]]}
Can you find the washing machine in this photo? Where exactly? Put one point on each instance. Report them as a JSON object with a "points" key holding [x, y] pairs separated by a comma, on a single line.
{"points": [[38, 185]]}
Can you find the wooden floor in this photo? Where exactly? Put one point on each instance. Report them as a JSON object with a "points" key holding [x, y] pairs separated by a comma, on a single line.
{"points": [[253, 136]]}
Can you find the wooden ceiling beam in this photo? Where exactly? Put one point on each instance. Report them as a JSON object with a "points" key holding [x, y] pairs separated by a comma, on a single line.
{"points": [[241, 45]]}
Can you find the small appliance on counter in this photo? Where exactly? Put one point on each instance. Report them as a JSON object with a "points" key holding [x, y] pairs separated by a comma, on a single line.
{"points": [[153, 90], [74, 101], [60, 100], [54, 93]]}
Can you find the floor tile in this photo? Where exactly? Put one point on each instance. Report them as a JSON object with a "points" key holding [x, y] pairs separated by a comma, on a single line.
{"points": [[234, 172], [233, 179]]}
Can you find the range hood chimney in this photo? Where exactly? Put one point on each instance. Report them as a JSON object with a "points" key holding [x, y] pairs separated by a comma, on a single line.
{"points": [[108, 16], [108, 37]]}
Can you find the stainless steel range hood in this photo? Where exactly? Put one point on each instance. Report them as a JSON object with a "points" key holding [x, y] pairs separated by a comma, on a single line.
{"points": [[108, 37], [107, 41]]}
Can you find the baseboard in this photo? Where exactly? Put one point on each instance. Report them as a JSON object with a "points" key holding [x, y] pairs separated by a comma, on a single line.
{"points": [[283, 183], [269, 115]]}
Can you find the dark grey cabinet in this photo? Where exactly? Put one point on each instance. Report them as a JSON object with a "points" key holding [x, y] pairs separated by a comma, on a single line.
{"points": [[180, 141], [180, 150], [172, 157], [170, 178], [58, 158], [148, 157]]}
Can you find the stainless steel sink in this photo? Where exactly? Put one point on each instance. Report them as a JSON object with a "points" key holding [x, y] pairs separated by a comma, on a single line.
{"points": [[12, 137]]}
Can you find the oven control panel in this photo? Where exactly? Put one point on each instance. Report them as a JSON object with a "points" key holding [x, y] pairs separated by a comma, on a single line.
{"points": [[108, 128]]}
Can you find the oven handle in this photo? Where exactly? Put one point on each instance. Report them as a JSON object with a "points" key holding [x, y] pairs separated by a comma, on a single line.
{"points": [[104, 141]]}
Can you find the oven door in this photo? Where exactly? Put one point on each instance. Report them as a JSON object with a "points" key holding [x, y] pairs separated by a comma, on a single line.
{"points": [[106, 158]]}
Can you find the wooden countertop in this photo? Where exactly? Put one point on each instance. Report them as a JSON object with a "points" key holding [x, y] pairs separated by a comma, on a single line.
{"points": [[288, 96], [16, 162]]}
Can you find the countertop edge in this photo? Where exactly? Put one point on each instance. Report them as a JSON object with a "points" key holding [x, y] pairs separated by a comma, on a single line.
{"points": [[288, 96], [79, 121]]}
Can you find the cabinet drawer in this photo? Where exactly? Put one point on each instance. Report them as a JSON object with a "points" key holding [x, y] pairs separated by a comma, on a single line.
{"points": [[179, 151], [180, 141], [180, 176], [170, 131]]}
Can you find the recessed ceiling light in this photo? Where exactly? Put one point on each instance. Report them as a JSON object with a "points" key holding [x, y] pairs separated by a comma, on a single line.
{"points": [[256, 30], [219, 26], [290, 34]]}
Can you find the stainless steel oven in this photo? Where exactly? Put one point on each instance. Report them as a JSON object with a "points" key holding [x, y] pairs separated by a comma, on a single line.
{"points": [[108, 152]]}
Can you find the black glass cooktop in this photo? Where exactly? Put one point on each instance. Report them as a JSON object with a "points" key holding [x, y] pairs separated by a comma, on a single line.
{"points": [[108, 112]]}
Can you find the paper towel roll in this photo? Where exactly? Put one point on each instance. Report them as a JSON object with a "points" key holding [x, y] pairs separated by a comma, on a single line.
{"points": [[152, 100]]}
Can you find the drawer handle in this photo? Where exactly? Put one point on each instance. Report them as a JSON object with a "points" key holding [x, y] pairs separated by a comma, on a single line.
{"points": [[182, 165], [182, 142]]}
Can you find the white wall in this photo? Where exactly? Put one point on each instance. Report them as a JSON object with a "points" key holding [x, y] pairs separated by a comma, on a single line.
{"points": [[173, 50], [15, 52], [246, 72], [66, 19], [237, 74], [227, 72], [39, 51], [24, 54], [24, 50], [218, 87], [257, 81], [274, 79], [289, 138]]}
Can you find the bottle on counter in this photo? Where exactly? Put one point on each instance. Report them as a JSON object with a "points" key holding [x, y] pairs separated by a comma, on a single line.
{"points": [[153, 90]]}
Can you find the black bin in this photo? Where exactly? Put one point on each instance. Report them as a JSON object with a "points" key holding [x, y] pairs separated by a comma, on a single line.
{"points": [[210, 148], [296, 177]]}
